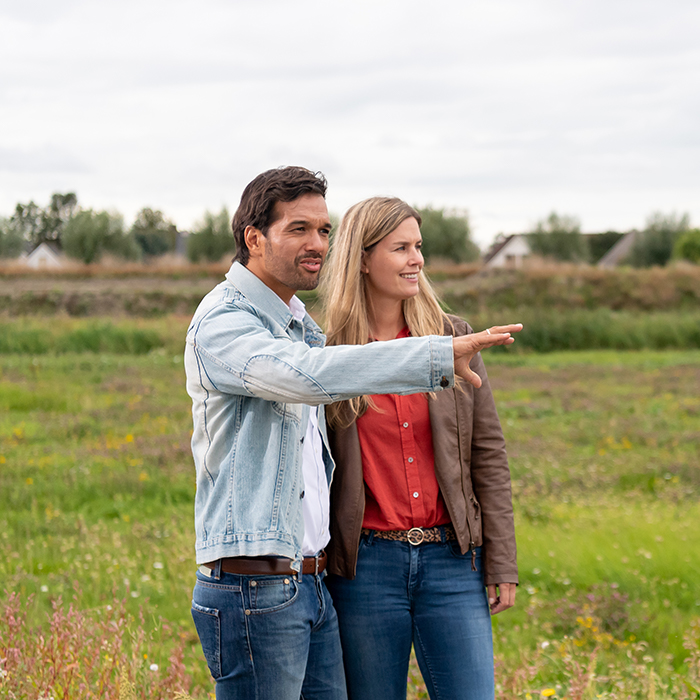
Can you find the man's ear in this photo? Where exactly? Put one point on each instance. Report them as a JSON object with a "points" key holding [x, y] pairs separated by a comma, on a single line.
{"points": [[255, 240]]}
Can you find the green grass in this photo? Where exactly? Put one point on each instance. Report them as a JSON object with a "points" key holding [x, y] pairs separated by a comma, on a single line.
{"points": [[60, 335], [551, 330], [97, 486]]}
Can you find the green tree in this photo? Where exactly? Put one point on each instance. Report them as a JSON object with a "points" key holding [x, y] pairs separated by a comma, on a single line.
{"points": [[560, 238], [89, 234], [11, 240], [40, 224], [600, 243], [687, 246], [447, 235], [153, 233], [654, 245], [212, 238]]}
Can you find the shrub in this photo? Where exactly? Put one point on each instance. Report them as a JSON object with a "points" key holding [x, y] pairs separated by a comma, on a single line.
{"points": [[89, 234], [11, 240], [153, 233], [93, 655], [212, 238], [559, 238], [599, 329], [447, 235], [654, 245], [687, 247], [91, 337]]}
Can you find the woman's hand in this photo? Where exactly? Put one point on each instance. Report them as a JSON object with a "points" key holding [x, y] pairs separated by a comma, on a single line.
{"points": [[504, 599], [467, 346]]}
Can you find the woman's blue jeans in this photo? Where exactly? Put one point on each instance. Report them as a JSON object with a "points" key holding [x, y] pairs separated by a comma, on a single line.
{"points": [[269, 637], [425, 595]]}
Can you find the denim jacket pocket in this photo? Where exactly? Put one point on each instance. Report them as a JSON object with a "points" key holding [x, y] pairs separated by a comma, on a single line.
{"points": [[292, 411]]}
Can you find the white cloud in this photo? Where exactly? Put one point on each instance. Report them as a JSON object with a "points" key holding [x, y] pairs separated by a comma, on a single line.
{"points": [[509, 109]]}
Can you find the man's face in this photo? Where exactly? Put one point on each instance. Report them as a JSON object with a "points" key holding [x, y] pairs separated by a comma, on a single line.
{"points": [[290, 257]]}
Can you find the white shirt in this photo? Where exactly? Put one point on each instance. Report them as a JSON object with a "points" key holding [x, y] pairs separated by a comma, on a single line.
{"points": [[316, 503]]}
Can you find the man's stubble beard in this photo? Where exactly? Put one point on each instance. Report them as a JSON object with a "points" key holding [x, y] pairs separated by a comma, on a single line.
{"points": [[291, 274]]}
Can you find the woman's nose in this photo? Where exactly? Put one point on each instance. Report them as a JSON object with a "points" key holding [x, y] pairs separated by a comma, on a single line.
{"points": [[416, 257]]}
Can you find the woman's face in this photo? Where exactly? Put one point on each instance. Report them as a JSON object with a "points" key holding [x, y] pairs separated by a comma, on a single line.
{"points": [[391, 267]]}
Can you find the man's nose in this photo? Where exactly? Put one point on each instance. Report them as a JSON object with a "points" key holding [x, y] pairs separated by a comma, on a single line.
{"points": [[317, 242]]}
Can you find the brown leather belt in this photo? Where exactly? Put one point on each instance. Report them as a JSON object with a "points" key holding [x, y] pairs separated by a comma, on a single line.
{"points": [[267, 566], [416, 535]]}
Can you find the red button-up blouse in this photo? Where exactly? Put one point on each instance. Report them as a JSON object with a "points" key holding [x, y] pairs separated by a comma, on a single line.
{"points": [[396, 442]]}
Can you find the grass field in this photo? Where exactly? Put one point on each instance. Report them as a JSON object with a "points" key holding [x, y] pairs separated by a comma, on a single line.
{"points": [[96, 533]]}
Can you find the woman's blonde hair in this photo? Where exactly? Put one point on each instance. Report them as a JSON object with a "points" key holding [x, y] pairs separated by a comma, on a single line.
{"points": [[344, 290]]}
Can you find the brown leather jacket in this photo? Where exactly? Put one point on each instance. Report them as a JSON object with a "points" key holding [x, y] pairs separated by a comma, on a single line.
{"points": [[471, 467]]}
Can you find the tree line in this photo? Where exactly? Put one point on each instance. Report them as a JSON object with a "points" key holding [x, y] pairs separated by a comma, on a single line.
{"points": [[86, 235]]}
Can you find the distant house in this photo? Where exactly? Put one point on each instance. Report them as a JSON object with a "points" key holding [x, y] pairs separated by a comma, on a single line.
{"points": [[45, 255], [511, 251], [617, 254], [508, 251], [181, 243]]}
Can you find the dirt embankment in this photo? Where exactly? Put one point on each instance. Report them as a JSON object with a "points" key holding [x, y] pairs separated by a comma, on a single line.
{"points": [[141, 296], [146, 292]]}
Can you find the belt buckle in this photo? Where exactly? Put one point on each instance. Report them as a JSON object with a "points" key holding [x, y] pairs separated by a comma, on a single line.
{"points": [[415, 536], [316, 558]]}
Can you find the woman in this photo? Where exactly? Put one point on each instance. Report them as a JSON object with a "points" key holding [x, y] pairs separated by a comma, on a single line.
{"points": [[422, 519]]}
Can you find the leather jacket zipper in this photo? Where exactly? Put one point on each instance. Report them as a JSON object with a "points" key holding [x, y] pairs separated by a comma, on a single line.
{"points": [[472, 546]]}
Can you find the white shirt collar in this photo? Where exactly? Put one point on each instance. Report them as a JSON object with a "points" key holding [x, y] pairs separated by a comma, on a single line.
{"points": [[296, 306]]}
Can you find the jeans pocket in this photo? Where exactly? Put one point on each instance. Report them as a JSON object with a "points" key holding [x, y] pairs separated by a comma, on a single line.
{"points": [[208, 624], [272, 593]]}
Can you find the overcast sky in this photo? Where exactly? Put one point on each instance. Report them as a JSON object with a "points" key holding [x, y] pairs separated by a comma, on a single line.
{"points": [[506, 109]]}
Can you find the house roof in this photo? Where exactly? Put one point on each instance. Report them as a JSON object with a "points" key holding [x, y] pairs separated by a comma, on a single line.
{"points": [[54, 247], [498, 247], [621, 249]]}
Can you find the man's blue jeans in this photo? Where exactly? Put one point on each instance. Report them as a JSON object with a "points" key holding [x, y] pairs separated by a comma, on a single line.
{"points": [[425, 595], [269, 637]]}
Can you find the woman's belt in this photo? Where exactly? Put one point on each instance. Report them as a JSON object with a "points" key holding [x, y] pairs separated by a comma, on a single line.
{"points": [[416, 535]]}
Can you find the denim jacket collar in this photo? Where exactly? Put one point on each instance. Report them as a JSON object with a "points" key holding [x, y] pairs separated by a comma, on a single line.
{"points": [[262, 297]]}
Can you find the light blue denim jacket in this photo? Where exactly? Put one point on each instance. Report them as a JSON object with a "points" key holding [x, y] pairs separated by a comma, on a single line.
{"points": [[252, 372]]}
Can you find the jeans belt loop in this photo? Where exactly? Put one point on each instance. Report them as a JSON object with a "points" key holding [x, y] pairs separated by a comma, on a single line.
{"points": [[415, 536]]}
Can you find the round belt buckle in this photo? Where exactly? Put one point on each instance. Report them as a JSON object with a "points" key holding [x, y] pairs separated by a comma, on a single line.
{"points": [[415, 535]]}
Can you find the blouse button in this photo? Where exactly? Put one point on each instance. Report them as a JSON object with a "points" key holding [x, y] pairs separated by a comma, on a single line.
{"points": [[405, 425], [410, 460], [415, 494]]}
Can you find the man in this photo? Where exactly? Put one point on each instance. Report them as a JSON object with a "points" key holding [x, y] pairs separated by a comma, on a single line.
{"points": [[259, 375]]}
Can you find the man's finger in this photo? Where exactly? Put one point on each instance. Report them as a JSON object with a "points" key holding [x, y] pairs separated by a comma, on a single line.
{"points": [[509, 328]]}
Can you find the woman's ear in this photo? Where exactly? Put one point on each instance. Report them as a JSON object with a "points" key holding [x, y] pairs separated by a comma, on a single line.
{"points": [[363, 262]]}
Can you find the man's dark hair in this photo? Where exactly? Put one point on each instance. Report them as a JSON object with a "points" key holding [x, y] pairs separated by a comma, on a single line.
{"points": [[261, 194]]}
